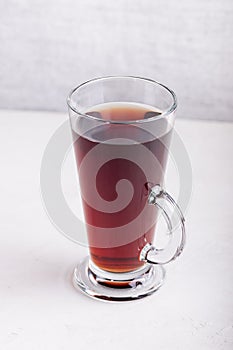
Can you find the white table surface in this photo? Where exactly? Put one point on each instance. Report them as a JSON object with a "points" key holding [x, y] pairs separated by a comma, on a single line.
{"points": [[40, 309]]}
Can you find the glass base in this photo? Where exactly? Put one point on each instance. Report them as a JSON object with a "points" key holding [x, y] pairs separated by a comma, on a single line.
{"points": [[110, 286]]}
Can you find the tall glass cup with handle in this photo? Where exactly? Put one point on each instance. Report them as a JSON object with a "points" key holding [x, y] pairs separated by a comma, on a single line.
{"points": [[122, 127]]}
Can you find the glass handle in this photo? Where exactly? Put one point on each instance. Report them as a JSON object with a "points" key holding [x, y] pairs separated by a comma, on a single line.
{"points": [[176, 229]]}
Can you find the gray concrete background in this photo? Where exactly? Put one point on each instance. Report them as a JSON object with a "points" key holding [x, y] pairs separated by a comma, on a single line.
{"points": [[49, 46]]}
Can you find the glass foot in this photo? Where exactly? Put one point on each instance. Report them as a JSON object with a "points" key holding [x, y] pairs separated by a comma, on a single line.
{"points": [[109, 286]]}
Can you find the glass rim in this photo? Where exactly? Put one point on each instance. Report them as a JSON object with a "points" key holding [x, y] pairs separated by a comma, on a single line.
{"points": [[164, 113]]}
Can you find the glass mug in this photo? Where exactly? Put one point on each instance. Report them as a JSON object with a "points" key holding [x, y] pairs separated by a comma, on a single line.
{"points": [[121, 129]]}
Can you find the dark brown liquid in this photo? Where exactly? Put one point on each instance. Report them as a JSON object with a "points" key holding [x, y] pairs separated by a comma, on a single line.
{"points": [[107, 252]]}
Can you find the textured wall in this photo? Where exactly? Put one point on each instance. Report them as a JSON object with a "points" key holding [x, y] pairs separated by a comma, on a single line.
{"points": [[48, 46]]}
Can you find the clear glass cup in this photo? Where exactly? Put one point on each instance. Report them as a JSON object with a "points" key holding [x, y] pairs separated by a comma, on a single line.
{"points": [[122, 128]]}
